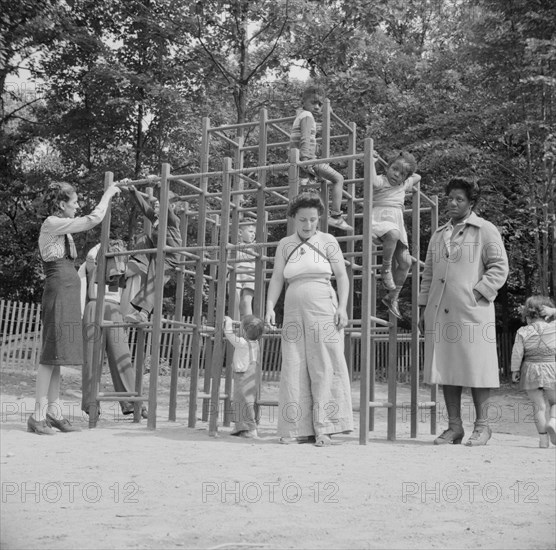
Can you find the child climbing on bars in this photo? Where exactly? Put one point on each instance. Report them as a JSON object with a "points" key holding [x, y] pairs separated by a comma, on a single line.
{"points": [[303, 137], [247, 354], [388, 226], [141, 268]]}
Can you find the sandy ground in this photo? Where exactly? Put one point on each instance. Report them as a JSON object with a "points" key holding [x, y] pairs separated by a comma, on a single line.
{"points": [[124, 486]]}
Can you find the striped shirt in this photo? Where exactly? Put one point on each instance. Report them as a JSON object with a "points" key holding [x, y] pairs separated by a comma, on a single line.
{"points": [[303, 135], [52, 238]]}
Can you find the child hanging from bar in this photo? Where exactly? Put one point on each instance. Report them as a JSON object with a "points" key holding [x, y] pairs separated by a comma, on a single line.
{"points": [[303, 137], [245, 267], [247, 355], [141, 269], [388, 226]]}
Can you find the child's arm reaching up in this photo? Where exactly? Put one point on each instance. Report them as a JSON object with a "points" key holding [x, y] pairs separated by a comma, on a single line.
{"points": [[548, 312], [230, 334], [409, 183]]}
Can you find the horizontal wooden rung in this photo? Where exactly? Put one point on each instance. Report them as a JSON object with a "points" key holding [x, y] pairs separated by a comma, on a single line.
{"points": [[204, 395], [426, 404], [118, 394], [380, 404], [267, 403], [124, 398]]}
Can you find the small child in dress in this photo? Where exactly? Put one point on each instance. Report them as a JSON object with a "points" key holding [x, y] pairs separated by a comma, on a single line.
{"points": [[388, 227], [534, 363], [303, 137], [247, 355], [245, 267]]}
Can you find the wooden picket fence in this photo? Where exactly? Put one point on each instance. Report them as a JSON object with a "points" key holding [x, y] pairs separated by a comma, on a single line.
{"points": [[20, 330], [20, 346]]}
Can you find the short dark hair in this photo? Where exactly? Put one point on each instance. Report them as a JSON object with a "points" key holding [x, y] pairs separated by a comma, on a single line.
{"points": [[533, 305], [311, 91], [305, 199], [407, 158], [57, 192], [470, 188], [253, 327]]}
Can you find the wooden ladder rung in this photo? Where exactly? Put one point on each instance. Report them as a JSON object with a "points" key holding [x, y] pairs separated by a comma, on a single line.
{"points": [[205, 395], [380, 404], [124, 398], [118, 394]]}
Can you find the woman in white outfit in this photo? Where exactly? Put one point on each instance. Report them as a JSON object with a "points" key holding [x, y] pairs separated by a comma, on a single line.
{"points": [[315, 397]]}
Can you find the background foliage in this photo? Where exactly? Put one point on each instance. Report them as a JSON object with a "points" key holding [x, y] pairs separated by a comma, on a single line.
{"points": [[118, 85]]}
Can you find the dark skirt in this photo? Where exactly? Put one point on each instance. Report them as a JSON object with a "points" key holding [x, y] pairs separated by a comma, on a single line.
{"points": [[62, 341]]}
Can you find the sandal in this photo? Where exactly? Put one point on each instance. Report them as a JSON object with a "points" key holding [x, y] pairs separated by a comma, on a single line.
{"points": [[323, 440]]}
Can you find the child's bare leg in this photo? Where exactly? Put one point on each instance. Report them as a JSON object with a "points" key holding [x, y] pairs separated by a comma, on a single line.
{"points": [[389, 243], [402, 265], [551, 421], [539, 409], [337, 180], [551, 398], [246, 302], [336, 196]]}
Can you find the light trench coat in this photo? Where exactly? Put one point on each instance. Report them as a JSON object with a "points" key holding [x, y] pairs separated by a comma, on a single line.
{"points": [[460, 333]]}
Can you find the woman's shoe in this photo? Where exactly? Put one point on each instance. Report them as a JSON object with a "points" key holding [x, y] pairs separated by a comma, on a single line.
{"points": [[323, 440], [40, 427], [451, 435], [543, 441], [481, 434], [62, 424], [551, 430]]}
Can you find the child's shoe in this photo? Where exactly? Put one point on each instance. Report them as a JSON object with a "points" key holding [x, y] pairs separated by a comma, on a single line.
{"points": [[543, 441], [137, 317], [551, 430], [340, 223], [392, 306]]}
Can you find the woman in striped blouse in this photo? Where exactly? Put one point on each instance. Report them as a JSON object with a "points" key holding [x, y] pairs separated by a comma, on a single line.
{"points": [[62, 341]]}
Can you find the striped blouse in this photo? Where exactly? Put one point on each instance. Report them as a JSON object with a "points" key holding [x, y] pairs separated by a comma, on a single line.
{"points": [[52, 238]]}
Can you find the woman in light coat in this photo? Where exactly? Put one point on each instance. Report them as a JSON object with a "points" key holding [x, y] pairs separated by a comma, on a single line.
{"points": [[465, 267]]}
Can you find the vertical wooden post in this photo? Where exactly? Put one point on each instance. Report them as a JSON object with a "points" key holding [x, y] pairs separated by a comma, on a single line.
{"points": [[350, 244], [199, 276], [415, 272], [325, 153], [392, 377], [177, 338], [99, 342], [218, 354], [367, 295], [258, 298], [158, 295], [434, 388]]}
